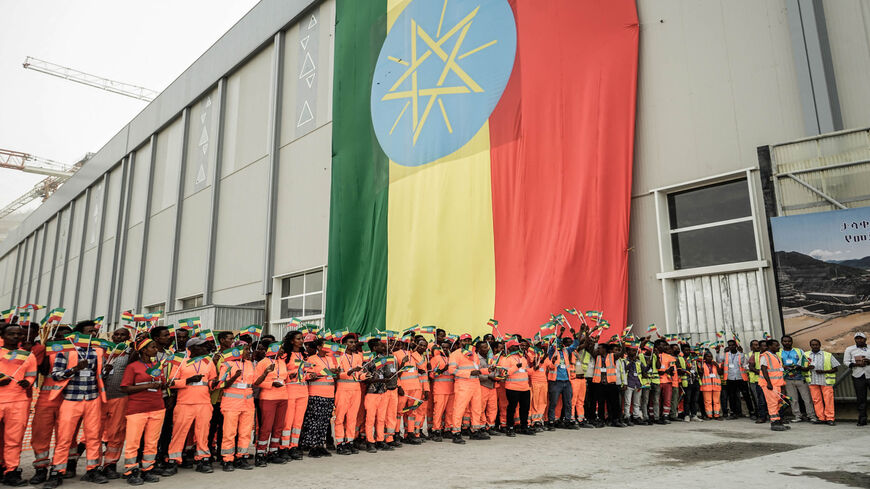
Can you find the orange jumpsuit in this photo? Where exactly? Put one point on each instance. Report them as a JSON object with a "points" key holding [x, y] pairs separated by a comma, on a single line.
{"points": [[772, 396], [466, 388], [488, 400], [410, 381], [442, 393], [237, 407], [193, 407], [273, 405], [297, 402], [145, 414], [87, 412], [711, 389], [347, 398], [15, 406], [538, 380], [44, 423]]}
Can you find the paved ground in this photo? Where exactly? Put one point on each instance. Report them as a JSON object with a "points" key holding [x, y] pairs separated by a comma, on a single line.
{"points": [[709, 454]]}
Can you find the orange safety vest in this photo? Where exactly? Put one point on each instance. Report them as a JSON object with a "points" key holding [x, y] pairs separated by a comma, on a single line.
{"points": [[443, 382], [461, 365], [536, 375], [609, 369], [557, 359], [774, 371], [72, 361], [239, 396], [346, 362], [517, 377], [323, 386], [710, 381], [743, 373]]}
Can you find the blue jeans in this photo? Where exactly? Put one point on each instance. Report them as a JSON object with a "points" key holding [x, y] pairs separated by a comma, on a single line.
{"points": [[555, 388], [762, 404]]}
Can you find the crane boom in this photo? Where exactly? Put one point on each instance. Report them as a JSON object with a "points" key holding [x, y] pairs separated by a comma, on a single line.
{"points": [[127, 89], [16, 160]]}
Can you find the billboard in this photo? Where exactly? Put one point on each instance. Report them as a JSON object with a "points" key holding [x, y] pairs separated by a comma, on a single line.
{"points": [[823, 273]]}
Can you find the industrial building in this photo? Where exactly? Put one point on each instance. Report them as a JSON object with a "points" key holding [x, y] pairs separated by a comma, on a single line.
{"points": [[214, 200]]}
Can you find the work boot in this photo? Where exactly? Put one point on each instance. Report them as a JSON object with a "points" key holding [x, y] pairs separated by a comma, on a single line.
{"points": [[436, 436], [227, 466], [110, 472], [617, 424], [260, 460], [13, 478], [479, 435], [135, 479], [457, 438], [493, 432], [341, 449], [412, 440], [295, 453], [94, 476], [830, 422], [167, 470], [510, 433], [360, 444], [40, 476], [150, 476], [204, 466], [777, 426], [550, 426], [465, 431], [275, 458], [628, 422], [572, 425], [70, 469], [54, 480], [370, 448], [383, 446], [395, 443]]}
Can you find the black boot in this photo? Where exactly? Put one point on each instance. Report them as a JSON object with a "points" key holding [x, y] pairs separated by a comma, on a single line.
{"points": [[352, 447], [135, 478], [510, 433], [110, 472], [204, 466], [167, 470], [493, 432], [247, 463], [383, 446], [457, 438], [94, 476], [70, 469], [436, 436], [370, 447], [54, 479], [150, 476], [550, 426], [13, 478], [260, 460], [227, 466], [40, 476], [295, 453], [341, 449], [276, 458]]}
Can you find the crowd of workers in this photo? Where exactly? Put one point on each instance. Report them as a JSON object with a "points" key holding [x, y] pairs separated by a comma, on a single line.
{"points": [[163, 400]]}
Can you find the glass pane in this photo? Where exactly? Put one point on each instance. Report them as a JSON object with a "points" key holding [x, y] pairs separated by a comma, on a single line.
{"points": [[292, 286], [314, 282], [291, 308], [720, 202], [313, 304], [714, 246]]}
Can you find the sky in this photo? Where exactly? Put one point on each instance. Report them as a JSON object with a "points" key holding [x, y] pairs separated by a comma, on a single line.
{"points": [[146, 43], [825, 236]]}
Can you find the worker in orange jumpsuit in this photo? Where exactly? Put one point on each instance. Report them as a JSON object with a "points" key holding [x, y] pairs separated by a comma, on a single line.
{"points": [[488, 393], [771, 381], [466, 368], [237, 406], [18, 375], [392, 428], [711, 386], [193, 405], [409, 380], [380, 378], [582, 359], [44, 423], [442, 391], [539, 386], [515, 367], [144, 382], [271, 378], [115, 408], [348, 395], [297, 394], [80, 375]]}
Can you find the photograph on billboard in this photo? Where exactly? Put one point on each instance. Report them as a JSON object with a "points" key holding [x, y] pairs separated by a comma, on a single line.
{"points": [[823, 275]]}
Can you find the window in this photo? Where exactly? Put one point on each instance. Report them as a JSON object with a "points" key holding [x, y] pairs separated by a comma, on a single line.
{"points": [[712, 225], [302, 295], [155, 308], [191, 302]]}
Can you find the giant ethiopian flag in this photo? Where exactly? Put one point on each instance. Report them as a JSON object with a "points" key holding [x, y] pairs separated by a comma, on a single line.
{"points": [[481, 166]]}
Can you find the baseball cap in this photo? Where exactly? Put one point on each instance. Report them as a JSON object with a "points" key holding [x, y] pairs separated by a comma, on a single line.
{"points": [[196, 341], [309, 338], [861, 334]]}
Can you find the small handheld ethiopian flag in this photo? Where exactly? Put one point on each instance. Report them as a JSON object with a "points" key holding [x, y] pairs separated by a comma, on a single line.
{"points": [[254, 330]]}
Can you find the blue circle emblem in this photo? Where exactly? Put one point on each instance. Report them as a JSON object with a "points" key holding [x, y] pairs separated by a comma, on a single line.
{"points": [[442, 69]]}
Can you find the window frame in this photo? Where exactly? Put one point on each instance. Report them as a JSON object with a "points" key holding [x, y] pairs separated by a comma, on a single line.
{"points": [[305, 293]]}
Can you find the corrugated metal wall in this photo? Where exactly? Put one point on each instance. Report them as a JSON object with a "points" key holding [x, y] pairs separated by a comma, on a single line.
{"points": [[730, 302], [220, 318]]}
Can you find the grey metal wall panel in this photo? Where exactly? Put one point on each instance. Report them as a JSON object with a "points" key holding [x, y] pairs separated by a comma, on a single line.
{"points": [[167, 165], [645, 304], [254, 30], [193, 239], [159, 246], [849, 36], [129, 286], [201, 144]]}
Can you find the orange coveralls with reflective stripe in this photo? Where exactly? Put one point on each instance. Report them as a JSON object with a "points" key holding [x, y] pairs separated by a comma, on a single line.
{"points": [[347, 398], [442, 392], [410, 381], [297, 401], [237, 406], [193, 406], [466, 388], [772, 396], [15, 406]]}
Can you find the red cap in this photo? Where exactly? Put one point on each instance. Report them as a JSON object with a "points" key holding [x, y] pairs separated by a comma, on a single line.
{"points": [[309, 338], [512, 343], [465, 336]]}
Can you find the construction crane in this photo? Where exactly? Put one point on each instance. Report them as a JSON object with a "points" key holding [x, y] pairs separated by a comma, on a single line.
{"points": [[126, 89], [57, 173]]}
